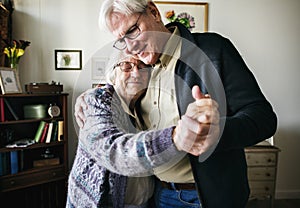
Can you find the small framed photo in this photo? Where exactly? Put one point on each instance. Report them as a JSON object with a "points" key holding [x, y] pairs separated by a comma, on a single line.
{"points": [[97, 85], [98, 68], [68, 59], [9, 81]]}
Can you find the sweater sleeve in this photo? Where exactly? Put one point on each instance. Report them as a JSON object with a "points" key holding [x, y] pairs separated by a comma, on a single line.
{"points": [[105, 136]]}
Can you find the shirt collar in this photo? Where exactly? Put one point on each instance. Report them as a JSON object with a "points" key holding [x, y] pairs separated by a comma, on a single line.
{"points": [[170, 48]]}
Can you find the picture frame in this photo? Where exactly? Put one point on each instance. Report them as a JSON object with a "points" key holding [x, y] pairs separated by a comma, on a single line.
{"points": [[98, 68], [97, 85], [197, 10], [68, 59], [9, 81]]}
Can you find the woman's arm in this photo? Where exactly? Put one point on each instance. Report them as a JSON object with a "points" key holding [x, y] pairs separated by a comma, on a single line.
{"points": [[105, 136]]}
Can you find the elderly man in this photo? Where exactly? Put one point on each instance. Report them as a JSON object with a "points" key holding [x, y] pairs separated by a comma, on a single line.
{"points": [[211, 62]]}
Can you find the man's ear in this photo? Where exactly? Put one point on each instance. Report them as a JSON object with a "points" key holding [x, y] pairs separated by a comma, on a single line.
{"points": [[154, 11]]}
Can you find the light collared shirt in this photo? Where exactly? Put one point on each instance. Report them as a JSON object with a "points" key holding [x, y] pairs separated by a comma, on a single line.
{"points": [[138, 189], [160, 109]]}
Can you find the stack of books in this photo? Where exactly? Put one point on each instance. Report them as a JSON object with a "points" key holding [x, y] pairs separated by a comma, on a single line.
{"points": [[49, 132]]}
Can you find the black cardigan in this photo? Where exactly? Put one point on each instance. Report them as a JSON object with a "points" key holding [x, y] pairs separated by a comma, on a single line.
{"points": [[212, 62]]}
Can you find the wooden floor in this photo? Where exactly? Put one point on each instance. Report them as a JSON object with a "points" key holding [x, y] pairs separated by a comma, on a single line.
{"points": [[278, 203]]}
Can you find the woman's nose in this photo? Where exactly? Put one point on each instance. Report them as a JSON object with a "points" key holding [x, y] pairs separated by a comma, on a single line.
{"points": [[135, 71]]}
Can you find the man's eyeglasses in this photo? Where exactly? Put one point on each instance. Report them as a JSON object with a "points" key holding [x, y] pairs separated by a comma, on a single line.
{"points": [[131, 34], [127, 66]]}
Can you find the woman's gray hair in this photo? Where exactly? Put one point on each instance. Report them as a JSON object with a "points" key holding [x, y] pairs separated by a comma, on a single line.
{"points": [[114, 59], [126, 7]]}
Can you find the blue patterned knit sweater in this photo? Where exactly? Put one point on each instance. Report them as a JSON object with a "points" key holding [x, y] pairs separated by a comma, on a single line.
{"points": [[106, 149]]}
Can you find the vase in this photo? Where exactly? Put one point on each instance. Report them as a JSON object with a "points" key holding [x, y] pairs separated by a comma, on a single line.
{"points": [[13, 66], [13, 63]]}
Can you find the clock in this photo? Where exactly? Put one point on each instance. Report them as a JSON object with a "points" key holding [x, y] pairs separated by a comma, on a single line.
{"points": [[53, 110]]}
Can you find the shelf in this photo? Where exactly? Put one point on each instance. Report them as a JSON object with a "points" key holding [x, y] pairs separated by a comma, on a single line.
{"points": [[33, 95], [19, 172], [33, 146], [32, 177], [29, 120]]}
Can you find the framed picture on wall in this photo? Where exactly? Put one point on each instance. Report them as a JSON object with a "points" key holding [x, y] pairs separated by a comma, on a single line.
{"points": [[97, 85], [98, 68], [68, 59], [193, 15], [9, 81]]}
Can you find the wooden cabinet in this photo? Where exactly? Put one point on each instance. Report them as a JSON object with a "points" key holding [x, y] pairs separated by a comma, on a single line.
{"points": [[32, 186], [262, 168]]}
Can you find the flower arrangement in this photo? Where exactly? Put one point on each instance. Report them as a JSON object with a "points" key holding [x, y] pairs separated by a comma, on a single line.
{"points": [[15, 50], [67, 59], [184, 18]]}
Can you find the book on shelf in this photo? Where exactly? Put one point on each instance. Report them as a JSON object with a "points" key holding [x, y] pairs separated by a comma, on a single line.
{"points": [[54, 131], [14, 164], [4, 163], [21, 157], [60, 131], [39, 131], [49, 132], [1, 164], [44, 133], [11, 109], [46, 162], [2, 117]]}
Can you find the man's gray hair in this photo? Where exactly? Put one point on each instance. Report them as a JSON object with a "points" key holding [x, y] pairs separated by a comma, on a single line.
{"points": [[127, 7]]}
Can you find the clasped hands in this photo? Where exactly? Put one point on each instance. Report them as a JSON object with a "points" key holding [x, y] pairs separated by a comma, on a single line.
{"points": [[198, 129]]}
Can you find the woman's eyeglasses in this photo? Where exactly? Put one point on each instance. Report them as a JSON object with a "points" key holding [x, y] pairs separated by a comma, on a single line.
{"points": [[127, 66]]}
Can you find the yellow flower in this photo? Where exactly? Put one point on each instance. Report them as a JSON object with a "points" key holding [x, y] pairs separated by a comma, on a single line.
{"points": [[15, 50], [7, 52], [19, 52]]}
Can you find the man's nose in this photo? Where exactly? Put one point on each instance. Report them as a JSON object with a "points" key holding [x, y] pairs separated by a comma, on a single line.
{"points": [[131, 46]]}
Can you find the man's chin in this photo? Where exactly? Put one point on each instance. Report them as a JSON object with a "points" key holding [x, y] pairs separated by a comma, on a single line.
{"points": [[145, 57]]}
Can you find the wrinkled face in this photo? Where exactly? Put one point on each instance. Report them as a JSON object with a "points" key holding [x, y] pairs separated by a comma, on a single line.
{"points": [[131, 77], [141, 32]]}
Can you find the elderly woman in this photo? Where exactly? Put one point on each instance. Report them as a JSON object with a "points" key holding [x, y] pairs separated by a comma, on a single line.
{"points": [[111, 113]]}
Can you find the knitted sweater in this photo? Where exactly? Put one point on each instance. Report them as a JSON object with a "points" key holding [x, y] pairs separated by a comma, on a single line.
{"points": [[105, 144]]}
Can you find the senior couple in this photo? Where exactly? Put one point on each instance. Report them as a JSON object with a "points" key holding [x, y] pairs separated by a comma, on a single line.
{"points": [[153, 123]]}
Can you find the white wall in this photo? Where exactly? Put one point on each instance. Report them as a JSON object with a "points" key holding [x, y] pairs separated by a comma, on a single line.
{"points": [[266, 32]]}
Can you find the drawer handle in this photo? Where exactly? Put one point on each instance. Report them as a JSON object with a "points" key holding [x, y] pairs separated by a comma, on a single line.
{"points": [[54, 174], [268, 174], [12, 182], [267, 188]]}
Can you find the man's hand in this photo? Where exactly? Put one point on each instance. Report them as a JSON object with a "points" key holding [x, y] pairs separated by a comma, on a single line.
{"points": [[198, 130], [80, 106]]}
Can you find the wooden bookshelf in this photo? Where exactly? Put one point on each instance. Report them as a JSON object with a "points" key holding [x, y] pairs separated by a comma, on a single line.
{"points": [[33, 186]]}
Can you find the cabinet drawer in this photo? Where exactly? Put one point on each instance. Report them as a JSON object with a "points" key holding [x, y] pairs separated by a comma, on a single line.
{"points": [[261, 159], [262, 187], [25, 180], [261, 173]]}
